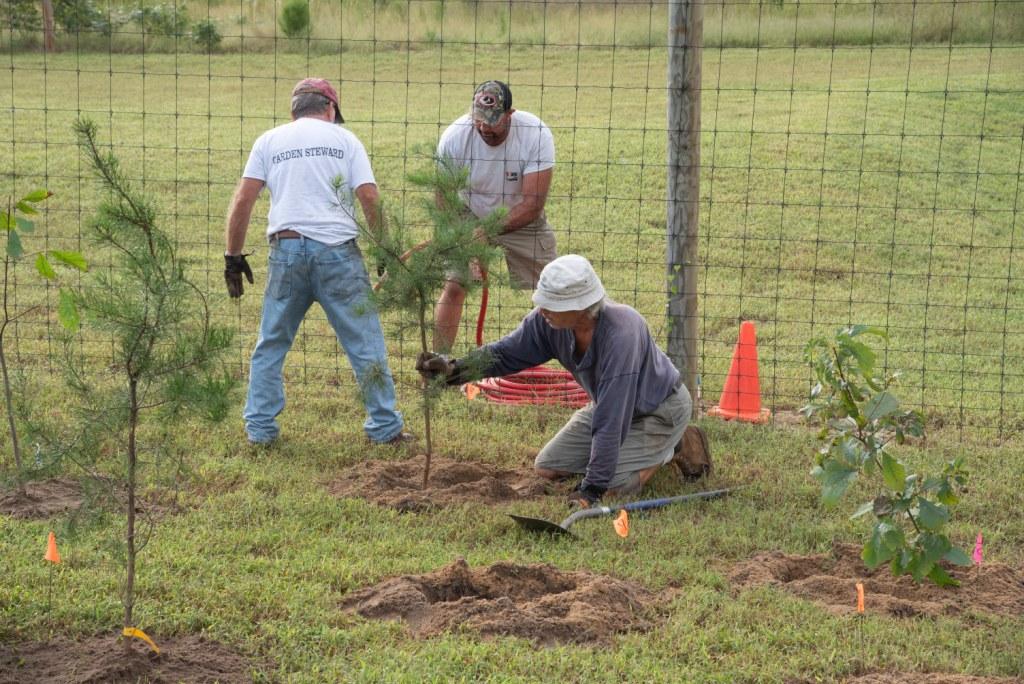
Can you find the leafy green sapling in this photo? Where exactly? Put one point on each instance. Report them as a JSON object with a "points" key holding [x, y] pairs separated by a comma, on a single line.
{"points": [[16, 224], [166, 351], [861, 419], [413, 273]]}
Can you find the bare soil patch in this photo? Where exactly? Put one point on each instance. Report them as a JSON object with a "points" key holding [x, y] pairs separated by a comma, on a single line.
{"points": [[399, 484], [537, 602], [104, 659], [927, 678], [45, 499], [831, 579]]}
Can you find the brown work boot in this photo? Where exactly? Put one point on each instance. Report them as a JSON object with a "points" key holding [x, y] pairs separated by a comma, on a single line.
{"points": [[692, 459]]}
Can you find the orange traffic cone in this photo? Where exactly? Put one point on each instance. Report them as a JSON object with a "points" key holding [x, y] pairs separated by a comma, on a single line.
{"points": [[741, 395]]}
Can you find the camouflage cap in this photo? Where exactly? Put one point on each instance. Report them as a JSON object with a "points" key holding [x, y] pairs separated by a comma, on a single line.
{"points": [[320, 86], [490, 102]]}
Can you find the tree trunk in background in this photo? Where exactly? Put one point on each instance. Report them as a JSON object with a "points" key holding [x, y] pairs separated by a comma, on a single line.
{"points": [[49, 42]]}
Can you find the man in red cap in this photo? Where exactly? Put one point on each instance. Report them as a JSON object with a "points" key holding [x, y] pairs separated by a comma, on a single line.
{"points": [[315, 171], [510, 158]]}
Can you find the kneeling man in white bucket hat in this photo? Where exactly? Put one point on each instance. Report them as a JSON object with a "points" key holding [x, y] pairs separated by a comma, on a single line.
{"points": [[639, 406]]}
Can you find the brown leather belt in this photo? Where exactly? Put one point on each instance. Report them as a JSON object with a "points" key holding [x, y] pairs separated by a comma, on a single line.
{"points": [[285, 235]]}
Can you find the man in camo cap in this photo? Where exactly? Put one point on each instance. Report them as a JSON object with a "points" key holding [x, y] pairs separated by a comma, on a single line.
{"points": [[510, 157]]}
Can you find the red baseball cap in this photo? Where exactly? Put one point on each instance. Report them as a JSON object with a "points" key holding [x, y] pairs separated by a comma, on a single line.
{"points": [[320, 86]]}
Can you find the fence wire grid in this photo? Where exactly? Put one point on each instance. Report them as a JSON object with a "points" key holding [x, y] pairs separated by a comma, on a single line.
{"points": [[861, 162]]}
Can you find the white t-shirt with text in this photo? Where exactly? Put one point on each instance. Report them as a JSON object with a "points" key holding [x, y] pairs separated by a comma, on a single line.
{"points": [[496, 173], [311, 168]]}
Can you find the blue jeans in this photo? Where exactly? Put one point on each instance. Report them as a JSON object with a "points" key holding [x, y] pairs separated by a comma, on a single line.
{"points": [[302, 271]]}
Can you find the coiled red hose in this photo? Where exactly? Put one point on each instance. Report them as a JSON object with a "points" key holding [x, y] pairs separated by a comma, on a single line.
{"points": [[538, 385]]}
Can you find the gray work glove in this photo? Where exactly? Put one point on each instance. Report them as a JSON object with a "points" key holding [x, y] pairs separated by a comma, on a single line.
{"points": [[235, 266], [431, 365]]}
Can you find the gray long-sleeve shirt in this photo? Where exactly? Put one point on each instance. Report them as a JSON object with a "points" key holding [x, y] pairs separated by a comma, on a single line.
{"points": [[623, 371]]}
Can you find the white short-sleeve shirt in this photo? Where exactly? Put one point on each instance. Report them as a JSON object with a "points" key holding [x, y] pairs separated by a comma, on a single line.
{"points": [[496, 173], [311, 168]]}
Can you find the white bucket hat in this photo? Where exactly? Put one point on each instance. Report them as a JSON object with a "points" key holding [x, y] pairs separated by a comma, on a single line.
{"points": [[568, 283]]}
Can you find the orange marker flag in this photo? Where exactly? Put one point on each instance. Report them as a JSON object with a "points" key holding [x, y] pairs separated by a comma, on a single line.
{"points": [[621, 524], [52, 554], [860, 598], [472, 390]]}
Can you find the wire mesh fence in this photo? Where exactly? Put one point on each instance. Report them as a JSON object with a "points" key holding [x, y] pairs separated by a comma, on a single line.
{"points": [[861, 162]]}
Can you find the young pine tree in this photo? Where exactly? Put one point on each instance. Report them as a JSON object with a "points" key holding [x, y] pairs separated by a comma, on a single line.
{"points": [[416, 272], [165, 349]]}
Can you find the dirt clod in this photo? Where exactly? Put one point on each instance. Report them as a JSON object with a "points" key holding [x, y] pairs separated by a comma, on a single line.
{"points": [[399, 484], [831, 579], [537, 602], [45, 498], [104, 659]]}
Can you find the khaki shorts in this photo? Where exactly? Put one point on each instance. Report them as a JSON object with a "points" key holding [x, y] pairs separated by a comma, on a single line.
{"points": [[527, 251], [651, 441]]}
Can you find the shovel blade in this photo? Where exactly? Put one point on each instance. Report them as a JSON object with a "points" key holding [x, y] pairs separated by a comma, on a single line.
{"points": [[539, 525]]}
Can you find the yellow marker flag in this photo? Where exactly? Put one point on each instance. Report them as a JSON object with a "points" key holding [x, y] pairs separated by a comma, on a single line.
{"points": [[621, 524], [860, 597], [139, 634]]}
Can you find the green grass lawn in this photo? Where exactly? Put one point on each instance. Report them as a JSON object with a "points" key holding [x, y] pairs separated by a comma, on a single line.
{"points": [[878, 186], [263, 555]]}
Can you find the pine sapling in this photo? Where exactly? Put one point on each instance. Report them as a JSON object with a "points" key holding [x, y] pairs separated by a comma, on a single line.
{"points": [[166, 352], [416, 271]]}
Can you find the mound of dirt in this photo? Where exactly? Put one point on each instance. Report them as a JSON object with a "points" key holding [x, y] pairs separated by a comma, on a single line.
{"points": [[45, 499], [831, 580], [926, 678], [537, 602], [399, 484], [105, 659]]}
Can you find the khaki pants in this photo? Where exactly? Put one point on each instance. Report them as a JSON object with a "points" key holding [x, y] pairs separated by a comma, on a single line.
{"points": [[527, 251], [651, 441]]}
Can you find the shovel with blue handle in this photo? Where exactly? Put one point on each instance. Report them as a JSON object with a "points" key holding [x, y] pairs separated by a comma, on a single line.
{"points": [[541, 525]]}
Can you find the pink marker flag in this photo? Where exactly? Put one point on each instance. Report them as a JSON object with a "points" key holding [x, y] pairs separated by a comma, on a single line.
{"points": [[977, 550]]}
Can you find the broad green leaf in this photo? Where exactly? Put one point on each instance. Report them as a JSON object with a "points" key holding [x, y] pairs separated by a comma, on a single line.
{"points": [[72, 259], [26, 208], [44, 267], [67, 311], [935, 546], [14, 248], [864, 355], [37, 195], [855, 330], [941, 577], [931, 517], [7, 221], [881, 405], [862, 509], [835, 479], [956, 557], [24, 225], [892, 537], [875, 551], [893, 473]]}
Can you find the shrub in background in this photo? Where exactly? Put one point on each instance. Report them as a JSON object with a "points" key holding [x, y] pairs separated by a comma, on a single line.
{"points": [[21, 15], [206, 36], [294, 19], [161, 20]]}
